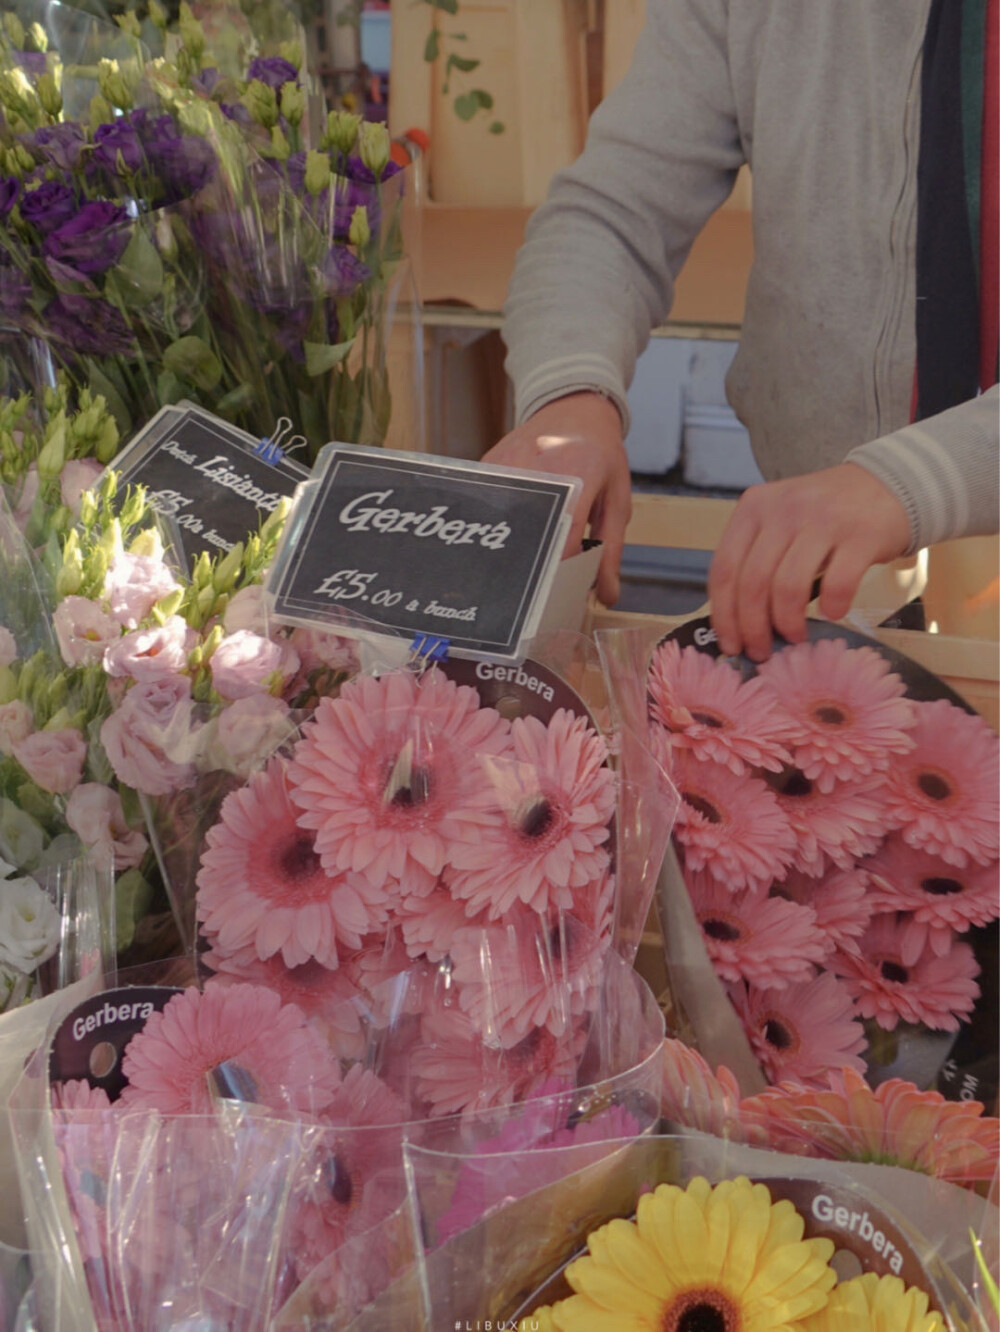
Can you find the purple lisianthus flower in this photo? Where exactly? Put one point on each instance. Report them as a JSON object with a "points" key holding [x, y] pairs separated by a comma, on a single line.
{"points": [[237, 113], [62, 145], [349, 195], [274, 71], [206, 81], [120, 138], [92, 241], [344, 272], [87, 326], [10, 188], [356, 169], [295, 173], [48, 207], [32, 62], [184, 165], [15, 289], [68, 278]]}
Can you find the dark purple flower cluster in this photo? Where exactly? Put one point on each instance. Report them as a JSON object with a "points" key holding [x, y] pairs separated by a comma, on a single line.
{"points": [[344, 272], [93, 240], [274, 71], [15, 288], [117, 148], [87, 326], [10, 188], [61, 145], [48, 207]]}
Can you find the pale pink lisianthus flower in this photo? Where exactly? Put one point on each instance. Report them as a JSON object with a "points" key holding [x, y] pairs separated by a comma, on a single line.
{"points": [[134, 584], [8, 647], [246, 609], [16, 724], [53, 759], [95, 814], [78, 475], [261, 883], [244, 663], [150, 654], [248, 732], [285, 1063], [318, 648], [152, 739], [800, 1033], [84, 632]]}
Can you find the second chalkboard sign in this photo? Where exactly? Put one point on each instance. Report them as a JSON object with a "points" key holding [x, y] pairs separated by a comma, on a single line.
{"points": [[205, 474], [415, 545]]}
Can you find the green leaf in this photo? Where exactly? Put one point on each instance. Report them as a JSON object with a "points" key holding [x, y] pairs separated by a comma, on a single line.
{"points": [[469, 103], [463, 64], [432, 48], [100, 383], [449, 6], [133, 898], [321, 356], [139, 273], [498, 127], [193, 359]]}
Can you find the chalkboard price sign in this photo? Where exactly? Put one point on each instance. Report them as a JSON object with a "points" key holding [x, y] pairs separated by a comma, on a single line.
{"points": [[204, 473], [409, 545]]}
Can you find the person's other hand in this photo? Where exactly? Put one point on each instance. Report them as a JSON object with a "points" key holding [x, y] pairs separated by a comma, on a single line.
{"points": [[581, 435], [832, 524]]}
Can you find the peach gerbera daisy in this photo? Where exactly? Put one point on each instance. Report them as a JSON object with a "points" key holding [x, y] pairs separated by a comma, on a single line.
{"points": [[545, 823], [676, 1268], [942, 900], [871, 1303], [840, 899], [849, 707], [388, 773], [937, 991], [732, 827], [893, 1124], [764, 940], [837, 828], [694, 1096], [240, 1035], [801, 1032], [943, 795], [707, 708], [261, 883]]}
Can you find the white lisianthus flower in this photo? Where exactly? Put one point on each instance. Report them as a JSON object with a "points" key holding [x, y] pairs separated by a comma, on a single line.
{"points": [[29, 923]]}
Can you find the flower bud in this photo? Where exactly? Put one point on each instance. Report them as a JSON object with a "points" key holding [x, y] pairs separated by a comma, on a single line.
{"points": [[292, 52], [192, 33], [318, 175], [281, 149], [147, 543], [168, 606], [117, 83], [13, 29], [212, 642], [8, 685], [206, 602], [48, 93], [37, 39], [111, 540], [360, 233], [52, 458], [101, 111], [261, 102], [69, 579], [55, 697], [129, 24], [375, 147], [134, 507], [201, 574], [88, 510], [106, 444], [157, 16], [341, 131], [276, 519], [95, 567], [224, 579], [293, 103]]}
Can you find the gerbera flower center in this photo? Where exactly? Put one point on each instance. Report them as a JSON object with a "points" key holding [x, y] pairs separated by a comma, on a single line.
{"points": [[829, 714], [702, 1311], [534, 818], [298, 858], [338, 1180], [408, 783], [778, 1035], [941, 887], [709, 719], [704, 807], [894, 971], [789, 782], [934, 785], [723, 930]]}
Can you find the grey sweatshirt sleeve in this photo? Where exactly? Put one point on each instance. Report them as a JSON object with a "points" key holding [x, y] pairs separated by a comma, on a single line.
{"points": [[944, 470], [662, 154]]}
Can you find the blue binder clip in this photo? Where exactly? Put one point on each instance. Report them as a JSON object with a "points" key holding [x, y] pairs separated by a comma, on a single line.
{"points": [[429, 648], [270, 449]]}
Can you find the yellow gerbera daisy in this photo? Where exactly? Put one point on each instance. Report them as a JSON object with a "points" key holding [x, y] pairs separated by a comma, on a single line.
{"points": [[539, 1321], [700, 1259], [871, 1303]]}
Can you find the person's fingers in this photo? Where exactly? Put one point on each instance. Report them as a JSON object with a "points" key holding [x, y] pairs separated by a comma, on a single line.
{"points": [[585, 503], [848, 565], [753, 590], [616, 510], [792, 584], [723, 577]]}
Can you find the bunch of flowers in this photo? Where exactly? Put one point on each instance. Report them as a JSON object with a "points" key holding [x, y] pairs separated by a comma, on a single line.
{"points": [[180, 241], [837, 838]]}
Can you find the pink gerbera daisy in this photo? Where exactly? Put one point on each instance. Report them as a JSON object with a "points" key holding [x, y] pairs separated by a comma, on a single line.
{"points": [[799, 1033], [849, 705], [841, 901], [730, 826], [429, 924], [936, 991], [78, 1094], [261, 883], [242, 1036], [695, 1097], [836, 828], [765, 940], [532, 971], [457, 1072], [944, 793], [707, 708], [329, 999], [387, 776], [546, 820], [942, 899], [894, 1124], [358, 1177]]}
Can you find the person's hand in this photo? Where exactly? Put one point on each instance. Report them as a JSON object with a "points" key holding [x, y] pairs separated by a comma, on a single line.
{"points": [[832, 524], [581, 435]]}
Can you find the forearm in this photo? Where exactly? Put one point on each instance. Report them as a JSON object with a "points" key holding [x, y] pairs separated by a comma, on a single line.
{"points": [[597, 271], [943, 470]]}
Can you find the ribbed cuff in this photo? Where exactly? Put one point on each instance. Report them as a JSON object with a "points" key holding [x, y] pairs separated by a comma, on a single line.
{"points": [[559, 378]]}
